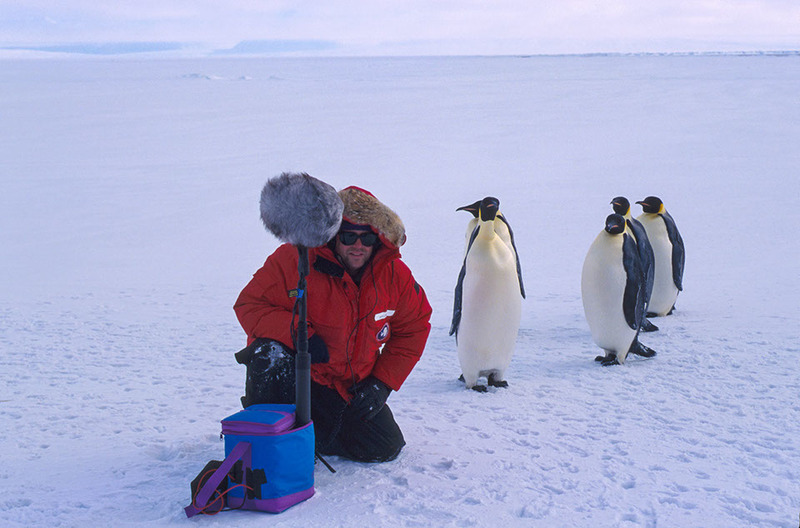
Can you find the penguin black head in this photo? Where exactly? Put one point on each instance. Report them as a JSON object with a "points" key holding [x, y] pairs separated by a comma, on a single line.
{"points": [[621, 205], [651, 204], [615, 224], [488, 208], [472, 208]]}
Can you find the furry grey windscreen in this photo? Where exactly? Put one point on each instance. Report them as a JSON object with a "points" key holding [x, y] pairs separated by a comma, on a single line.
{"points": [[300, 209]]}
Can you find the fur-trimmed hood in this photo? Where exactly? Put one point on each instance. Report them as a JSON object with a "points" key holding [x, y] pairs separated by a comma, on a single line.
{"points": [[361, 207]]}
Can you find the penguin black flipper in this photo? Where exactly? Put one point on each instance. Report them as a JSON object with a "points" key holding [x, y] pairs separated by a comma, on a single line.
{"points": [[457, 301], [678, 251], [516, 254], [457, 298], [633, 300], [646, 254], [648, 260]]}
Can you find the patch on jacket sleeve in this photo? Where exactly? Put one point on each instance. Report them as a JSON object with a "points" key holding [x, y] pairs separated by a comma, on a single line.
{"points": [[384, 315], [295, 293], [383, 335]]}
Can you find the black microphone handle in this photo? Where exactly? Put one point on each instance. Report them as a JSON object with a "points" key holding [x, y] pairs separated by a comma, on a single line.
{"points": [[302, 358]]}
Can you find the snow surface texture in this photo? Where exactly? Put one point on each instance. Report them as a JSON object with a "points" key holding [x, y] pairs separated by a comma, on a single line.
{"points": [[129, 222]]}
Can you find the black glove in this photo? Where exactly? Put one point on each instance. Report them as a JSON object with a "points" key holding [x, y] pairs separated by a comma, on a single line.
{"points": [[369, 397], [318, 349]]}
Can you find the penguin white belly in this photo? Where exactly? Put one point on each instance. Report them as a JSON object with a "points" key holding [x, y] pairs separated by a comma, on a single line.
{"points": [[491, 310], [500, 229], [602, 290], [665, 293]]}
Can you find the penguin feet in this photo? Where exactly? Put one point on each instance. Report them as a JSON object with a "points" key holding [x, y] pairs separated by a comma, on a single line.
{"points": [[476, 388], [641, 350], [608, 360], [654, 314], [647, 326], [494, 382], [491, 381]]}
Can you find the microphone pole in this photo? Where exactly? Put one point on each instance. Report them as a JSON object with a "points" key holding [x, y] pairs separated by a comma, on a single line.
{"points": [[305, 212], [302, 360]]}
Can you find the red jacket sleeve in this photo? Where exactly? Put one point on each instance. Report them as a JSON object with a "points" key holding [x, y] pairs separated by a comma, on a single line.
{"points": [[410, 329], [264, 308]]}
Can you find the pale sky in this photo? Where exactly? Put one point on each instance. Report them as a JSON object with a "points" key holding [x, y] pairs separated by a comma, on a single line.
{"points": [[381, 27]]}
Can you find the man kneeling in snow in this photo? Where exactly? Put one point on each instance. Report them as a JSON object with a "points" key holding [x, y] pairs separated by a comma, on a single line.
{"points": [[368, 322]]}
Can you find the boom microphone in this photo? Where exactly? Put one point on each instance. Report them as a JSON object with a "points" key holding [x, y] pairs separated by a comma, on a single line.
{"points": [[305, 212], [300, 209]]}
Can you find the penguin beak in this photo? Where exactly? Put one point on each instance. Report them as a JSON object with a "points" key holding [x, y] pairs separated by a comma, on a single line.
{"points": [[472, 208]]}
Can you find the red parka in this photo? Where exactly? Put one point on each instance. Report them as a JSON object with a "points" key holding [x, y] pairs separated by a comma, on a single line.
{"points": [[378, 328]]}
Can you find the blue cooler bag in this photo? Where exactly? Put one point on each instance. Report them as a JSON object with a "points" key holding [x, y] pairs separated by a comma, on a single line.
{"points": [[277, 463]]}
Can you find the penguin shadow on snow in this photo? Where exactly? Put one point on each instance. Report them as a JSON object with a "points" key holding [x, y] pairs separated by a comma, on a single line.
{"points": [[488, 297]]}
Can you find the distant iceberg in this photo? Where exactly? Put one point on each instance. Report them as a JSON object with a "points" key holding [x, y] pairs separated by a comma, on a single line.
{"points": [[256, 47]]}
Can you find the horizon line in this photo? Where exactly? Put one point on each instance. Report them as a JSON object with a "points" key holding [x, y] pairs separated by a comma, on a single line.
{"points": [[280, 48]]}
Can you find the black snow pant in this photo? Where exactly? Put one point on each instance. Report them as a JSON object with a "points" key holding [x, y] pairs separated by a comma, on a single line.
{"points": [[271, 379]]}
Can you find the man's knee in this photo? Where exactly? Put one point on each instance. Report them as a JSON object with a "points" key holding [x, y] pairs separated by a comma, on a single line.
{"points": [[375, 440], [339, 433], [384, 438]]}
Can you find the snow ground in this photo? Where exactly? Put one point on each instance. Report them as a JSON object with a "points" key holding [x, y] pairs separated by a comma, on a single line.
{"points": [[129, 223]]}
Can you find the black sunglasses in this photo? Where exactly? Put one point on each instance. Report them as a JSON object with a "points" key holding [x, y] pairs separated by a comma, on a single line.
{"points": [[348, 238]]}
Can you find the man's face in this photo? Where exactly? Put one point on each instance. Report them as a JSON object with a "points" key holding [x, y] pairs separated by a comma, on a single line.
{"points": [[355, 256]]}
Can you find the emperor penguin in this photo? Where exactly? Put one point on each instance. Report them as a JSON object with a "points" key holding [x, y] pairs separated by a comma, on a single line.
{"points": [[622, 207], [501, 227], [488, 300], [612, 291], [669, 256]]}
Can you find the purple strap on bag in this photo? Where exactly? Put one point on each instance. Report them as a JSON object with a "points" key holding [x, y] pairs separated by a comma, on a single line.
{"points": [[240, 451]]}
